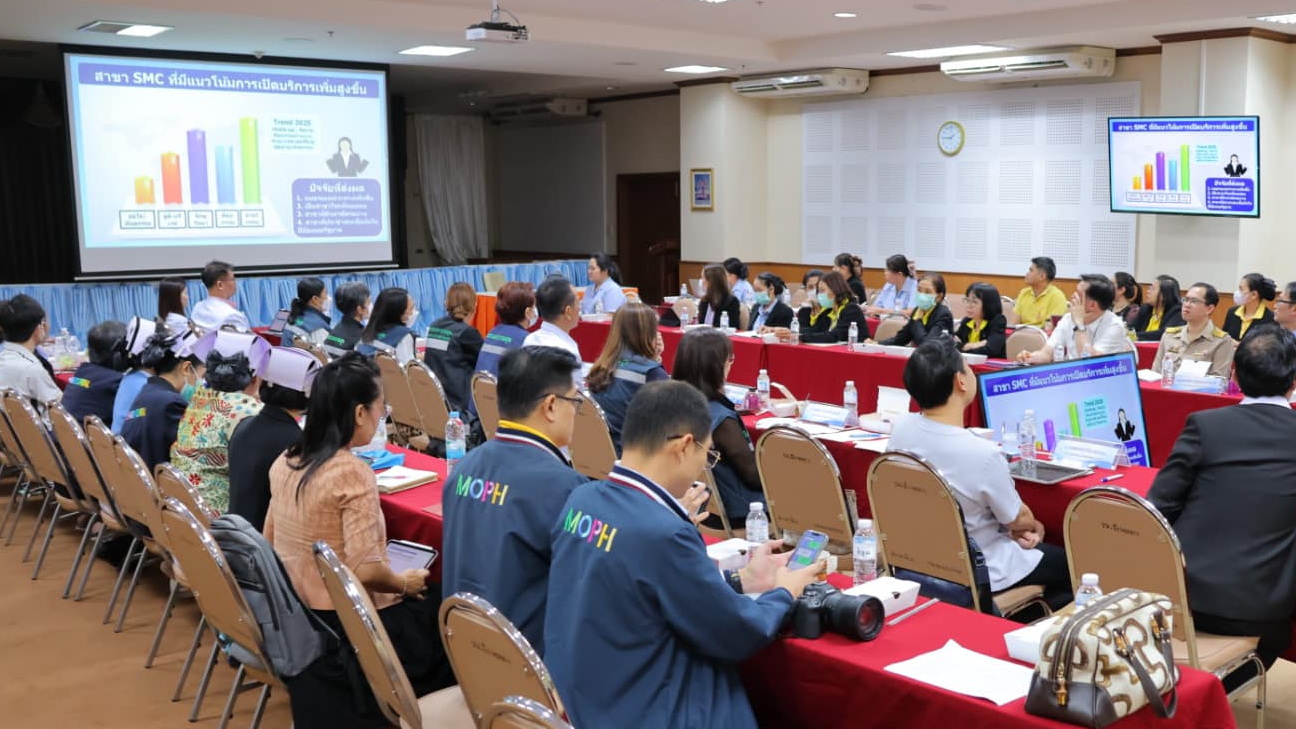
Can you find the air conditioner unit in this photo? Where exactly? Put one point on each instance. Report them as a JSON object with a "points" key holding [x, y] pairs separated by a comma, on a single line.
{"points": [[1047, 63], [547, 110], [824, 82]]}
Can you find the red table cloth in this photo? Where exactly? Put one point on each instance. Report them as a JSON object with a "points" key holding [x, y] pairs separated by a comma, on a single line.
{"points": [[749, 353], [1146, 353], [407, 513]]}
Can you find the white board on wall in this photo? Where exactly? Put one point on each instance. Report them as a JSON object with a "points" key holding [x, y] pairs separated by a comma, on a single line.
{"points": [[552, 187], [1030, 180]]}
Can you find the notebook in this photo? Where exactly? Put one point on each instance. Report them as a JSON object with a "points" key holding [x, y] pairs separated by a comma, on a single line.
{"points": [[400, 478]]}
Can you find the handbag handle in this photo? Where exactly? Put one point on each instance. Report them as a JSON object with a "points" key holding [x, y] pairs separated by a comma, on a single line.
{"points": [[1158, 704]]}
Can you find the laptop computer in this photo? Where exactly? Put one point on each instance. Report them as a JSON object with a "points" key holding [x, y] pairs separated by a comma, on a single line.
{"points": [[280, 321]]}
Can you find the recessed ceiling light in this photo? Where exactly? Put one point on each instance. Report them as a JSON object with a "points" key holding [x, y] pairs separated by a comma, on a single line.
{"points": [[695, 69], [115, 27], [434, 51], [1286, 19], [844, 15], [929, 7], [948, 51], [624, 63]]}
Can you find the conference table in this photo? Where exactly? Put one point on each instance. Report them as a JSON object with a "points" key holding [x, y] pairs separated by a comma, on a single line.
{"points": [[834, 682]]}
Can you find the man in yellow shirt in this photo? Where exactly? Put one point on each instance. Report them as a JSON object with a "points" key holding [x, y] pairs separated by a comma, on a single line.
{"points": [[1040, 301]]}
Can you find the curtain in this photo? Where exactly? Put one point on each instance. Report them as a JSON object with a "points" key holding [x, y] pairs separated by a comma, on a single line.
{"points": [[452, 173]]}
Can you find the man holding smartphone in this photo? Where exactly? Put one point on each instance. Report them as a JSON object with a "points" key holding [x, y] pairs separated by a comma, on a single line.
{"points": [[502, 498], [640, 623]]}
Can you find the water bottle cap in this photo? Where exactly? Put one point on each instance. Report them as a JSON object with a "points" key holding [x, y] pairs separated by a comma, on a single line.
{"points": [[850, 383], [865, 523], [1089, 578], [454, 413], [764, 372], [757, 506]]}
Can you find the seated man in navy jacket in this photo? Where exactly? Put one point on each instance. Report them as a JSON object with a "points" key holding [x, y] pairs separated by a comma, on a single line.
{"points": [[642, 629], [501, 500]]}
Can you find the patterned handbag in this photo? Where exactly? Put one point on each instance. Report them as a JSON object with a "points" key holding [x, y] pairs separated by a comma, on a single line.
{"points": [[1108, 660]]}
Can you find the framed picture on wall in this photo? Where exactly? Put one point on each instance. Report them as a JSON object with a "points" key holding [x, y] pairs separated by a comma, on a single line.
{"points": [[702, 186]]}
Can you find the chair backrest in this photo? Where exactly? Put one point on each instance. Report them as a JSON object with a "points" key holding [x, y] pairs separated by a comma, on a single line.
{"points": [[104, 453], [591, 448], [491, 658], [1025, 339], [803, 488], [430, 397], [397, 390], [171, 483], [919, 521], [35, 441], [135, 492], [366, 633], [685, 305], [494, 280], [217, 592], [486, 399], [1104, 525], [889, 327], [957, 304], [519, 712], [744, 317], [316, 350], [76, 450], [9, 440], [716, 507], [1010, 309]]}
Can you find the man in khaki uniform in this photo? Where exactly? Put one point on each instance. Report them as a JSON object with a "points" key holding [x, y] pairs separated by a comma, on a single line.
{"points": [[1199, 339]]}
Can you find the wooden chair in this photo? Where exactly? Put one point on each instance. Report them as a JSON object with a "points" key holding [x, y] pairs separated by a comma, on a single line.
{"points": [[1103, 527], [803, 489], [491, 658], [716, 506], [1025, 339], [592, 451], [405, 412], [744, 317], [921, 528], [137, 497], [430, 398], [889, 327], [29, 483], [377, 654], [51, 469], [316, 350], [486, 401], [517, 712], [221, 600], [1010, 310], [494, 280], [76, 450], [686, 306], [957, 304], [171, 483]]}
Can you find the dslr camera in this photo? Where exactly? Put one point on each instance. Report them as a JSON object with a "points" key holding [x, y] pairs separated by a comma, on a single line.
{"points": [[823, 607]]}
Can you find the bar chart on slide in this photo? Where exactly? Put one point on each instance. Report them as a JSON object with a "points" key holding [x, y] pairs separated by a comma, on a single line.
{"points": [[1167, 178]]}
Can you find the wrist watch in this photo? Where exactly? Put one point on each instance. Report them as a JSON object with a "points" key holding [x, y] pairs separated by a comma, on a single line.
{"points": [[734, 578]]}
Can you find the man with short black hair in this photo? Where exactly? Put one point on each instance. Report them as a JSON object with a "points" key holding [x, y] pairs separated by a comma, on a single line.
{"points": [[23, 326], [1090, 328], [558, 307], [1285, 308], [1040, 301], [1229, 490], [94, 385], [1009, 535], [1198, 339], [641, 628], [218, 308], [501, 500]]}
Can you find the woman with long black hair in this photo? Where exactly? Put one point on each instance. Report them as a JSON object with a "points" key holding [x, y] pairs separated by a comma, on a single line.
{"points": [[311, 312], [391, 326]]}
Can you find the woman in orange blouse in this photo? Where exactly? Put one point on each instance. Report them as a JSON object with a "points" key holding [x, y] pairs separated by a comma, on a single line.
{"points": [[319, 490]]}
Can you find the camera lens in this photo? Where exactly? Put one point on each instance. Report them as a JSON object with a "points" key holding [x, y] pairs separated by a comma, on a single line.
{"points": [[858, 617]]}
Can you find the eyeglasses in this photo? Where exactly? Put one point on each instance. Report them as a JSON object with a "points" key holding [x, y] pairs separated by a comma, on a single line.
{"points": [[576, 402], [1194, 301], [1288, 302], [713, 455]]}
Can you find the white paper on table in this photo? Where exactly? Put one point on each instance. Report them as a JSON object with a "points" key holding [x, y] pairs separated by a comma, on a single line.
{"points": [[878, 445], [813, 429], [955, 668], [892, 400], [1149, 376], [752, 334], [1193, 368], [822, 344], [854, 435]]}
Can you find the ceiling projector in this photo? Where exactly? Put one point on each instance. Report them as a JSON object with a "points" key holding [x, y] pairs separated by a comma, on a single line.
{"points": [[491, 31]]}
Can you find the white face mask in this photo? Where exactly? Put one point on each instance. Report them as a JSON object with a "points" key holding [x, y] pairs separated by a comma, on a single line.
{"points": [[327, 307], [1239, 297], [413, 317], [531, 318]]}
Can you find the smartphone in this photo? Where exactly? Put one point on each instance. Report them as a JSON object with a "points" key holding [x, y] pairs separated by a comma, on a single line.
{"points": [[808, 549], [405, 555]]}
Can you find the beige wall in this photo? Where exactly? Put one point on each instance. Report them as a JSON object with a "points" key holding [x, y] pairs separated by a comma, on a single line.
{"points": [[642, 135]]}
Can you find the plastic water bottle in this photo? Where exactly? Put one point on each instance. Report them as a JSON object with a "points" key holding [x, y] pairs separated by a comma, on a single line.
{"points": [[864, 552], [850, 400], [379, 440], [1169, 363], [763, 389], [796, 331], [684, 292], [757, 524], [1059, 353], [852, 337], [684, 318], [1088, 590], [454, 438], [598, 306], [724, 320], [1026, 443]]}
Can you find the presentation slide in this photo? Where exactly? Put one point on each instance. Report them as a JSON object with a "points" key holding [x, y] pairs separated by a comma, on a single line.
{"points": [[1192, 165], [178, 162], [1096, 398]]}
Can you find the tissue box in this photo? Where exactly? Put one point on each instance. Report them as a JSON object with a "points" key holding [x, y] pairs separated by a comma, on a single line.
{"points": [[731, 554], [974, 359], [784, 408], [1024, 643], [895, 594]]}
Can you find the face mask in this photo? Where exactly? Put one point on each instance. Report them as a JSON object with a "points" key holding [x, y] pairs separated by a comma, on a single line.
{"points": [[825, 300], [762, 298], [413, 317], [531, 318], [327, 307], [1239, 297], [925, 301], [187, 392]]}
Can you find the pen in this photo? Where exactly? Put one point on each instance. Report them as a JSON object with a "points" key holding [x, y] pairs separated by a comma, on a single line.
{"points": [[1109, 479], [915, 611]]}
